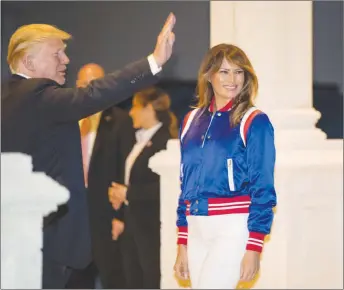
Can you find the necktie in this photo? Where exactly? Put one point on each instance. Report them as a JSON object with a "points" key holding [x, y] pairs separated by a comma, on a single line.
{"points": [[85, 128]]}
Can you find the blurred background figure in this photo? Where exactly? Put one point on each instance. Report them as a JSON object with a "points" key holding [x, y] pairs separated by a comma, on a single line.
{"points": [[141, 189], [102, 135]]}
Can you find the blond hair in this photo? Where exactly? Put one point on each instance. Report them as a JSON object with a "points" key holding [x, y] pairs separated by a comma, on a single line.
{"points": [[212, 63], [25, 37]]}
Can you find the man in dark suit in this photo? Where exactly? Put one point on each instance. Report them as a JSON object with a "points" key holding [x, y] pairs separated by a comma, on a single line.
{"points": [[40, 118], [107, 133]]}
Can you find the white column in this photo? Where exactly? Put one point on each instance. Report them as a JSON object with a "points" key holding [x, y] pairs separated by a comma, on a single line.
{"points": [[306, 244], [166, 164], [277, 37], [25, 198]]}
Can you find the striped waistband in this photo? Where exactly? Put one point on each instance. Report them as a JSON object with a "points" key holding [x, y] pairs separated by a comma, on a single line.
{"points": [[220, 205]]}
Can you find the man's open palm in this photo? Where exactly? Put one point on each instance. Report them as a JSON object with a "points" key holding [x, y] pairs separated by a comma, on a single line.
{"points": [[164, 45]]}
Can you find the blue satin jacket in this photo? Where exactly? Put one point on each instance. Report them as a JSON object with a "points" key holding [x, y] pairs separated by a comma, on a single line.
{"points": [[222, 175]]}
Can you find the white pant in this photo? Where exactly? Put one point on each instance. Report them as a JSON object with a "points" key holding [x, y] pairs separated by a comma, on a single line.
{"points": [[216, 246]]}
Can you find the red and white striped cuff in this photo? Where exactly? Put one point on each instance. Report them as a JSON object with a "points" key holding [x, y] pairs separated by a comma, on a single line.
{"points": [[182, 236], [255, 242]]}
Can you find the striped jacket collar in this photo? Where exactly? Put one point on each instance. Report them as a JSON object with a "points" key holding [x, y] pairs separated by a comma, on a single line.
{"points": [[226, 108]]}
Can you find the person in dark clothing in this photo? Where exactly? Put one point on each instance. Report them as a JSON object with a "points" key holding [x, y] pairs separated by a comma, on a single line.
{"points": [[40, 118], [140, 192]]}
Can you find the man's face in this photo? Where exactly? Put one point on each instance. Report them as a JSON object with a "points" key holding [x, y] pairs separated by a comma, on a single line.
{"points": [[50, 61], [88, 73]]}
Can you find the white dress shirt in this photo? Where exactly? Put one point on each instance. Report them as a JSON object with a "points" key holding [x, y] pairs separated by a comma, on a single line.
{"points": [[22, 75], [143, 136]]}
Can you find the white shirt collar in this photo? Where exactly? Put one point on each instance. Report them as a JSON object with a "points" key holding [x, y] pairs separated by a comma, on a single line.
{"points": [[23, 75], [143, 135]]}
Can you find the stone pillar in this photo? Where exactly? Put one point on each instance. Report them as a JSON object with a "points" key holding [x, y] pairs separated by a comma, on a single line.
{"points": [[277, 37], [166, 164], [25, 198]]}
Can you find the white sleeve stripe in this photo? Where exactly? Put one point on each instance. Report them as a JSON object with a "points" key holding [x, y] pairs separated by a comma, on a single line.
{"points": [[182, 234], [256, 240], [243, 122], [188, 123], [256, 244]]}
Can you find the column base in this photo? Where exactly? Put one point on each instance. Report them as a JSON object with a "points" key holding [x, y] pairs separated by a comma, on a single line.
{"points": [[295, 130]]}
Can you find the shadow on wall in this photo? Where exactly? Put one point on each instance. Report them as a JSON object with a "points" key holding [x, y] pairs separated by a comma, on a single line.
{"points": [[328, 100]]}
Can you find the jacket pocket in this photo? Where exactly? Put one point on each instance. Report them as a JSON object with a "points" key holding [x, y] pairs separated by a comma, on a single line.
{"points": [[230, 169]]}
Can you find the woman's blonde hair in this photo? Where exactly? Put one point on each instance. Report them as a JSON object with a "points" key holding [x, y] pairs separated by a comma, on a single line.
{"points": [[161, 104], [26, 37], [212, 63]]}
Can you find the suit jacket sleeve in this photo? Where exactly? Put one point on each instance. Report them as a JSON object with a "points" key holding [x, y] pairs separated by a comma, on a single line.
{"points": [[146, 186], [119, 214], [59, 104], [151, 191]]}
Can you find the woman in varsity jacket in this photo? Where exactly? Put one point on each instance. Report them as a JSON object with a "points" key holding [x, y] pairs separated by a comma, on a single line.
{"points": [[227, 175]]}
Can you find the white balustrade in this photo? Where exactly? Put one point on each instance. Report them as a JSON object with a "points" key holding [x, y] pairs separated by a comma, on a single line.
{"points": [[26, 197]]}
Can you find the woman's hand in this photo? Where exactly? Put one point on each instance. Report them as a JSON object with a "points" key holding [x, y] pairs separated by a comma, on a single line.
{"points": [[181, 266], [117, 195], [249, 266]]}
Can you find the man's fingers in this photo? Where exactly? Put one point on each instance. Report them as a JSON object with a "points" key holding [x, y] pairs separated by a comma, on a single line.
{"points": [[171, 38], [168, 26], [111, 192], [115, 186], [115, 234], [116, 204]]}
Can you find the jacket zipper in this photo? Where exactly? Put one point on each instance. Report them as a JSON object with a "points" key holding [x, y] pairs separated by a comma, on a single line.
{"points": [[206, 133]]}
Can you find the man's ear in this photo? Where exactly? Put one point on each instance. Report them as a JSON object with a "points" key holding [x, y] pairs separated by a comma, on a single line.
{"points": [[28, 62]]}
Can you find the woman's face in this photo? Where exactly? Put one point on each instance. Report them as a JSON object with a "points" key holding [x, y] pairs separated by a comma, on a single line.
{"points": [[141, 115], [228, 81]]}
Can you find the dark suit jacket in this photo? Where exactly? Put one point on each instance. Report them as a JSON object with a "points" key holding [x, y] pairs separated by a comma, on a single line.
{"points": [[144, 190], [40, 118], [115, 133]]}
